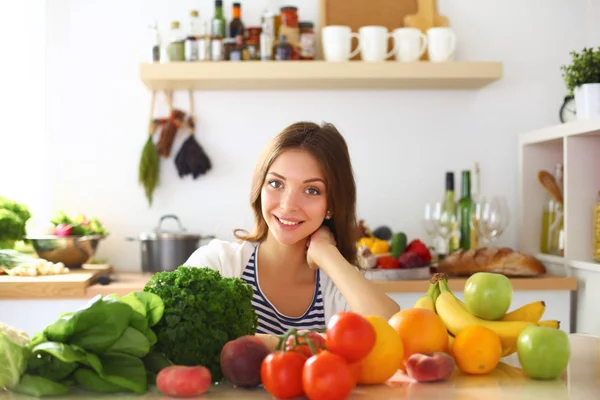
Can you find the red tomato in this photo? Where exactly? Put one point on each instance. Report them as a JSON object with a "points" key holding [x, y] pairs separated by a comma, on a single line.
{"points": [[184, 381], [356, 369], [281, 374], [327, 376], [350, 335], [317, 340]]}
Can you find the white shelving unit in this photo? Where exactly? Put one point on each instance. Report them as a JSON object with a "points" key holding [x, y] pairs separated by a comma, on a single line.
{"points": [[576, 145]]}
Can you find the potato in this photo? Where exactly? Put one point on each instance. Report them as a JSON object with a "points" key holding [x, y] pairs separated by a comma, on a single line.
{"points": [[241, 360], [183, 381], [430, 367]]}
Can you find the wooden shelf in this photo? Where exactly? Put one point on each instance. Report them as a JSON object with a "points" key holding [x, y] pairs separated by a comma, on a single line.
{"points": [[558, 132], [576, 145], [311, 75]]}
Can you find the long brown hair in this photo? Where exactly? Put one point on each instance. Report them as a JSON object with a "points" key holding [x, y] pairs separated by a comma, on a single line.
{"points": [[330, 150]]}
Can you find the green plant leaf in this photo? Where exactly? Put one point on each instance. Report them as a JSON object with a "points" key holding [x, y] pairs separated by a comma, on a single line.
{"points": [[584, 68], [38, 386], [90, 380], [94, 328], [132, 342], [125, 371], [13, 361]]}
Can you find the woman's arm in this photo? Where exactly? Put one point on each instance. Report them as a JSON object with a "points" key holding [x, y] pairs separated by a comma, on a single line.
{"points": [[362, 296]]}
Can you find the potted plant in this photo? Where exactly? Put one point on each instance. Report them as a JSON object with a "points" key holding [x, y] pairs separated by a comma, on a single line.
{"points": [[582, 78]]}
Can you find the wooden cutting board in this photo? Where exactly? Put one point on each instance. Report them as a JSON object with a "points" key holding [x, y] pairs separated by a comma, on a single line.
{"points": [[357, 13], [71, 285], [426, 17]]}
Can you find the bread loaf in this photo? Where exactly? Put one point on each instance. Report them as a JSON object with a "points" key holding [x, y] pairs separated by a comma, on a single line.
{"points": [[503, 260]]}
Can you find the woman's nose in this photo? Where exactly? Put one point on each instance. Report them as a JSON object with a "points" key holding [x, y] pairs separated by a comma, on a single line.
{"points": [[289, 201]]}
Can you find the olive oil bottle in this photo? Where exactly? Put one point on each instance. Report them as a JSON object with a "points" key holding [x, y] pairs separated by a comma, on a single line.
{"points": [[596, 224]]}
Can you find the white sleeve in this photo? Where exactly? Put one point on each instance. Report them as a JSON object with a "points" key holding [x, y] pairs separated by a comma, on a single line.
{"points": [[333, 300], [226, 257]]}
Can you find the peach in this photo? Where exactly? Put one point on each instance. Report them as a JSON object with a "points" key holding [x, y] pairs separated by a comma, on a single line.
{"points": [[430, 367]]}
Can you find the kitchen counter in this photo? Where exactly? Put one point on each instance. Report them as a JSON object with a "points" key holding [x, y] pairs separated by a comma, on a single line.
{"points": [[581, 381], [68, 286], [33, 303]]}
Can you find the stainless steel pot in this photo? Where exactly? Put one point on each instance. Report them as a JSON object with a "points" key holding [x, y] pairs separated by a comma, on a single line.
{"points": [[164, 250]]}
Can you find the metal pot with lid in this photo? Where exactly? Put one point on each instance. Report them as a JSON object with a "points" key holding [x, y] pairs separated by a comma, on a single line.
{"points": [[165, 250]]}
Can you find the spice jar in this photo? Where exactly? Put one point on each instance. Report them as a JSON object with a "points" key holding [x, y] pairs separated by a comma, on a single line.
{"points": [[289, 16], [307, 41]]}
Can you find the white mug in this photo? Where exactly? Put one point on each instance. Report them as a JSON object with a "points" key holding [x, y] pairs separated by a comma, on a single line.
{"points": [[412, 44], [374, 43], [441, 44], [337, 43]]}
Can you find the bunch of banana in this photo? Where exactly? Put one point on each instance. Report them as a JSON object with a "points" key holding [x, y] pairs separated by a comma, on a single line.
{"points": [[455, 315]]}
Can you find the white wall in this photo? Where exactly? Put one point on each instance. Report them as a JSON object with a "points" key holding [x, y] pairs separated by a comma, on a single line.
{"points": [[401, 142]]}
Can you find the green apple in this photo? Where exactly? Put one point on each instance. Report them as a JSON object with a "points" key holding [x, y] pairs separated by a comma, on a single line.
{"points": [[543, 352], [488, 295]]}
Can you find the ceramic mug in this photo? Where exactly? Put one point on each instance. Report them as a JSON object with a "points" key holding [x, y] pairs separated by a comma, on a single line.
{"points": [[337, 43], [374, 43], [441, 44], [412, 44]]}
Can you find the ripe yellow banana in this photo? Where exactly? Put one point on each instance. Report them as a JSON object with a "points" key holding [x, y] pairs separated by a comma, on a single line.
{"points": [[531, 312], [456, 318], [550, 323], [427, 301]]}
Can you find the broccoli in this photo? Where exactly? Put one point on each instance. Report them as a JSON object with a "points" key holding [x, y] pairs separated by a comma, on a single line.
{"points": [[203, 311], [13, 219]]}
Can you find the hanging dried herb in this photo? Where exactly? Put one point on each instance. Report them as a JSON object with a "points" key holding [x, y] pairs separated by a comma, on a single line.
{"points": [[191, 158], [149, 166]]}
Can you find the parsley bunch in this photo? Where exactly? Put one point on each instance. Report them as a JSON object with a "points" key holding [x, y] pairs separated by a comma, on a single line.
{"points": [[203, 311]]}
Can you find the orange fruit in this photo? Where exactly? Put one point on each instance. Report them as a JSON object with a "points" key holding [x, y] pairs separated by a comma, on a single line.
{"points": [[386, 356], [421, 330], [477, 350]]}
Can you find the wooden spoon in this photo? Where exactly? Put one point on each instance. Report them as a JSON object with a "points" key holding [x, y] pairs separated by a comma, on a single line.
{"points": [[549, 183]]}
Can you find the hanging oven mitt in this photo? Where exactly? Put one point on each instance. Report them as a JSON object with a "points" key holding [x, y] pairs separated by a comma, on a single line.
{"points": [[191, 158]]}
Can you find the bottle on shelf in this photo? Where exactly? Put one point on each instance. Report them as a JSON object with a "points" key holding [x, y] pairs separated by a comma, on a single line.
{"points": [[266, 43], [204, 43], [218, 21], [176, 46], [465, 212], [236, 26], [596, 233], [549, 238], [284, 49], [194, 34], [217, 33], [154, 40]]}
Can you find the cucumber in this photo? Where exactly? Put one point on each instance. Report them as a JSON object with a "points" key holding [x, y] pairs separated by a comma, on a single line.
{"points": [[399, 242]]}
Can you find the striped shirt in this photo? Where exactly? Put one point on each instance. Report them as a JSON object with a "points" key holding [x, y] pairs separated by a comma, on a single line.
{"points": [[271, 321]]}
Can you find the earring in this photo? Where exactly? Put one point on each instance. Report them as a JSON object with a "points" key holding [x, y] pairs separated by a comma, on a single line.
{"points": [[328, 216]]}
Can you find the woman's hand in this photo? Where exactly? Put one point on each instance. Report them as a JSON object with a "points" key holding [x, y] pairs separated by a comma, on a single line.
{"points": [[317, 243]]}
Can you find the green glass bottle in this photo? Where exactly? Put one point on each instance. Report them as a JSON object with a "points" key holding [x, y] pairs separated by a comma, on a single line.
{"points": [[218, 22], [465, 211]]}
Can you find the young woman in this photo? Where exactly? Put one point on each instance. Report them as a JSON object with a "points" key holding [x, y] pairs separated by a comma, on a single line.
{"points": [[300, 258]]}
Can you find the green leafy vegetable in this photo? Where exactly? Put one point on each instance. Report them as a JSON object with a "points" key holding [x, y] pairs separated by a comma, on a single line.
{"points": [[101, 347], [202, 312], [13, 360], [13, 219], [39, 386]]}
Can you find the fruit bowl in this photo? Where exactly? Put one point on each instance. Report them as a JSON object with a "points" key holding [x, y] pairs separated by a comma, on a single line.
{"points": [[72, 251]]}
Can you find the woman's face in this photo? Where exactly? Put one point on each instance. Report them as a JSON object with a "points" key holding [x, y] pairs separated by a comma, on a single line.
{"points": [[293, 197]]}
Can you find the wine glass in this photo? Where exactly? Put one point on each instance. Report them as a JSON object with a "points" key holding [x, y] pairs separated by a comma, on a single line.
{"points": [[429, 223], [492, 216], [446, 222]]}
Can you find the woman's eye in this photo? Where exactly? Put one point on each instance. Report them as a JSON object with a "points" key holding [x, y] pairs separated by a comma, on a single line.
{"points": [[275, 184], [312, 191]]}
